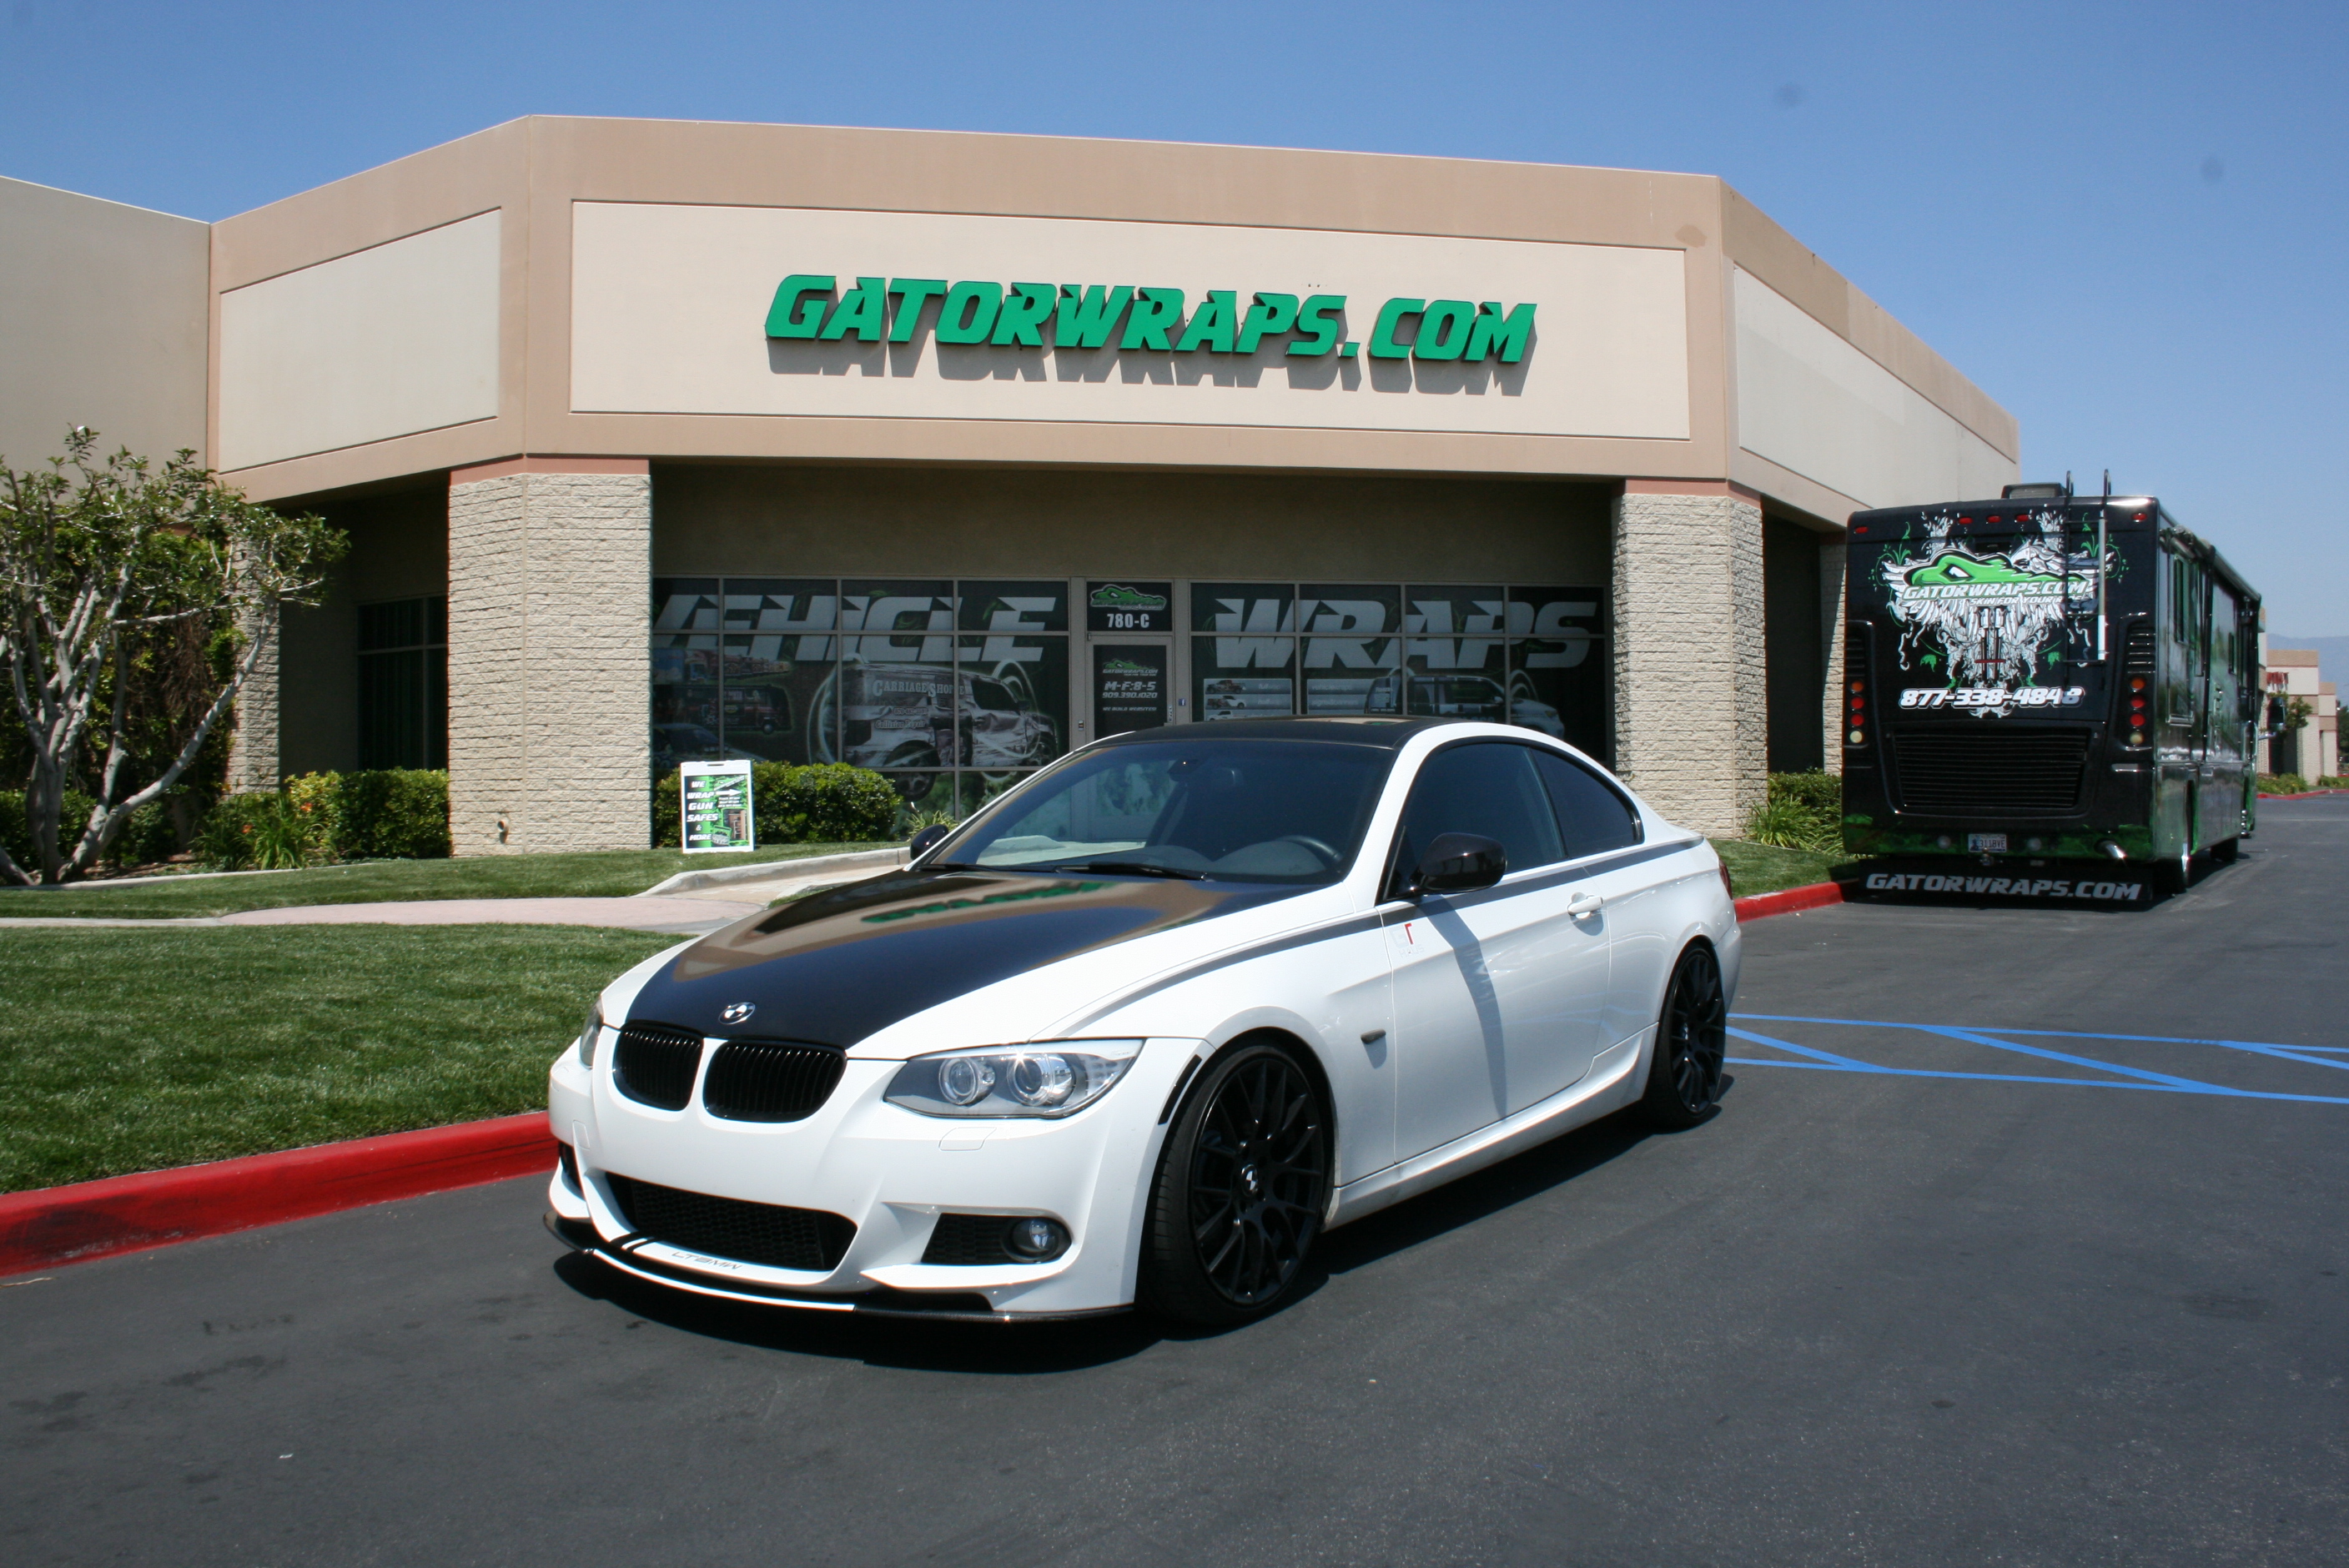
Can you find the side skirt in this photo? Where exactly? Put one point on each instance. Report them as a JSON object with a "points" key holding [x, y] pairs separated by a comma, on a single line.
{"points": [[1608, 1086]]}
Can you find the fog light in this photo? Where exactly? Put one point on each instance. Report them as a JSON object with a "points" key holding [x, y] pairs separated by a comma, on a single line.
{"points": [[1944, 842], [1036, 1241], [2034, 843]]}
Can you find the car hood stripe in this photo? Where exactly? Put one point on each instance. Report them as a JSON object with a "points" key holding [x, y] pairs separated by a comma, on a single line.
{"points": [[841, 965]]}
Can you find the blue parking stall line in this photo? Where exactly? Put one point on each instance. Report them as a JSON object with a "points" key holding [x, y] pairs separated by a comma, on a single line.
{"points": [[1826, 1059], [2214, 1090], [1972, 1038], [2137, 1078], [2256, 1047]]}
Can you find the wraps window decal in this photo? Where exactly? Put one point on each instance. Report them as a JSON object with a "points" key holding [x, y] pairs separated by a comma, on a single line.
{"points": [[916, 678]]}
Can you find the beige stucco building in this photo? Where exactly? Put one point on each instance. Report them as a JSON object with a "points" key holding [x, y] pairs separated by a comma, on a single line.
{"points": [[659, 440], [2310, 748]]}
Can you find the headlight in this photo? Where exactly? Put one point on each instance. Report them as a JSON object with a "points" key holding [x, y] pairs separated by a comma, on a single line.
{"points": [[1048, 1079], [590, 1030]]}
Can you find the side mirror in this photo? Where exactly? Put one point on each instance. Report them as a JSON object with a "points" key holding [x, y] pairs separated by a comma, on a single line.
{"points": [[1460, 862], [926, 841]]}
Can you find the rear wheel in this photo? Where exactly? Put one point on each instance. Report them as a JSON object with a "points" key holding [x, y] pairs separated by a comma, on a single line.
{"points": [[2225, 850], [1692, 1042], [1240, 1192]]}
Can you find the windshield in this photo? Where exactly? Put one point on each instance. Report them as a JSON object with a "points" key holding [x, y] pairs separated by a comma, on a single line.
{"points": [[1270, 812]]}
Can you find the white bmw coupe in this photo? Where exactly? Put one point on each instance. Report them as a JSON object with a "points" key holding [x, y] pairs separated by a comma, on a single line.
{"points": [[1142, 1028]]}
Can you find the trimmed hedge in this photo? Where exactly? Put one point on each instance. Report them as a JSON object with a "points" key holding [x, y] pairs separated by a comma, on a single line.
{"points": [[823, 803], [385, 814]]}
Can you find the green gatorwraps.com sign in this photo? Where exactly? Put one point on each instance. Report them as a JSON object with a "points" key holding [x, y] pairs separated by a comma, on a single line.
{"points": [[813, 306]]}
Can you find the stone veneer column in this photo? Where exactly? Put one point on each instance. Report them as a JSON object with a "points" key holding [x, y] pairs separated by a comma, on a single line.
{"points": [[1831, 603], [550, 561], [253, 741], [1692, 705]]}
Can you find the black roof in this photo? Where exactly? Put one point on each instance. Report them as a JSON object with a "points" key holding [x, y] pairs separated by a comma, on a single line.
{"points": [[1388, 734]]}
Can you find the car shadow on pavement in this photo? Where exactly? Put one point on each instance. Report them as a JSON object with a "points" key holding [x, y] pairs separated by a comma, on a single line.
{"points": [[1463, 1202], [1028, 1349]]}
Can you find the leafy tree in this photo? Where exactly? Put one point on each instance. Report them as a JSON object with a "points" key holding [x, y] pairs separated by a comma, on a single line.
{"points": [[112, 575]]}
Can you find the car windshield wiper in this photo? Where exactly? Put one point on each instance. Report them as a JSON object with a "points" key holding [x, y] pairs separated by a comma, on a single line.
{"points": [[1139, 868]]}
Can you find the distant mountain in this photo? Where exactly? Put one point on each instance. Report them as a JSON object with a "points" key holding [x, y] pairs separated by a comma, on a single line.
{"points": [[2332, 654]]}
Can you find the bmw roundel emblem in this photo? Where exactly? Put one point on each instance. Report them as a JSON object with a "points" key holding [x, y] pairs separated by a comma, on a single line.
{"points": [[739, 1012]]}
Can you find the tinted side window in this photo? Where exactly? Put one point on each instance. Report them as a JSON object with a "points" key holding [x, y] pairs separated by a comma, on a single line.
{"points": [[1488, 788], [1591, 817]]}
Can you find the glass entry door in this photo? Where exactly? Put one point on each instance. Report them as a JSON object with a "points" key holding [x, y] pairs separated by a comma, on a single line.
{"points": [[1131, 680]]}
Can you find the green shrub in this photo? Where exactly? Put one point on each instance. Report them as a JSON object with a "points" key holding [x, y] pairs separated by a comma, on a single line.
{"points": [[257, 832], [151, 835], [1803, 811], [823, 803], [392, 814], [16, 832], [2283, 784]]}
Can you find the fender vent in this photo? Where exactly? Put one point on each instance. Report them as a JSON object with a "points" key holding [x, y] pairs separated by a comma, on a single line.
{"points": [[655, 1064], [771, 1080], [764, 1233]]}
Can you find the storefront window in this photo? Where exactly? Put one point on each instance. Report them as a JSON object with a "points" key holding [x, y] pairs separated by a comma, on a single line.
{"points": [[1350, 667], [959, 689], [1250, 665], [955, 691], [404, 684]]}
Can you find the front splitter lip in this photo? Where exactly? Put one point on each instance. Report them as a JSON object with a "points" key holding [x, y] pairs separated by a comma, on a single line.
{"points": [[943, 1307]]}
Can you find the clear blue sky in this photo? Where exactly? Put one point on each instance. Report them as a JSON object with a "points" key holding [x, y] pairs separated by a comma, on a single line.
{"points": [[2128, 224]]}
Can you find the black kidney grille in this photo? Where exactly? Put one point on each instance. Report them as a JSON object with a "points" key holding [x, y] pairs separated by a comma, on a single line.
{"points": [[1984, 768], [770, 1081], [655, 1064], [764, 1233], [970, 1239]]}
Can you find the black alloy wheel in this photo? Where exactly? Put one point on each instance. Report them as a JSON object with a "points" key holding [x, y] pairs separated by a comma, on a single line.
{"points": [[1241, 1189], [1692, 1040]]}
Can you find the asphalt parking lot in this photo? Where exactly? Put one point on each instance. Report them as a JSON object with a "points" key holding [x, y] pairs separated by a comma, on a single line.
{"points": [[2020, 1239]]}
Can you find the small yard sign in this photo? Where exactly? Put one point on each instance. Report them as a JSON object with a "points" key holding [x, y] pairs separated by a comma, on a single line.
{"points": [[717, 806]]}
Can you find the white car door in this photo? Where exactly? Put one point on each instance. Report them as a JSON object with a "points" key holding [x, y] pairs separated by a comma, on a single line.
{"points": [[1499, 994], [1597, 825]]}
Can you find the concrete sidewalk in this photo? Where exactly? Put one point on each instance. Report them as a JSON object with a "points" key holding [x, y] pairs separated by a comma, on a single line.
{"points": [[681, 916]]}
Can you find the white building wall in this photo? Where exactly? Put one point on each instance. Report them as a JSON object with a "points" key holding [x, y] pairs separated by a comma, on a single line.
{"points": [[1810, 402], [388, 341]]}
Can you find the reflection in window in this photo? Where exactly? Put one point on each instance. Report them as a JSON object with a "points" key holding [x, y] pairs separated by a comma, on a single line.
{"points": [[872, 672]]}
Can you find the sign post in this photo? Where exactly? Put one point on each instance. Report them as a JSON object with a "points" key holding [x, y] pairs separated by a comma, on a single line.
{"points": [[715, 807]]}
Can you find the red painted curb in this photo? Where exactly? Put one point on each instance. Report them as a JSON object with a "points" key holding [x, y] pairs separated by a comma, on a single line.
{"points": [[1789, 901], [125, 1213], [2304, 795]]}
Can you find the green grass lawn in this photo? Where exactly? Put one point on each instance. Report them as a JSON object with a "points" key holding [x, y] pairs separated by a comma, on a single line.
{"points": [[591, 874], [1761, 867], [124, 1050]]}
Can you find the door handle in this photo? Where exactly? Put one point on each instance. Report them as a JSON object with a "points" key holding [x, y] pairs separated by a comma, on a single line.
{"points": [[1583, 903]]}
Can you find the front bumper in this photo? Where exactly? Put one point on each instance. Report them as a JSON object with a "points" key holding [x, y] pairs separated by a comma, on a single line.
{"points": [[887, 1171]]}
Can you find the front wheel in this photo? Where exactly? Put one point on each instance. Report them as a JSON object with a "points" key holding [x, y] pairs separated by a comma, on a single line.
{"points": [[1240, 1192], [1692, 1041]]}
